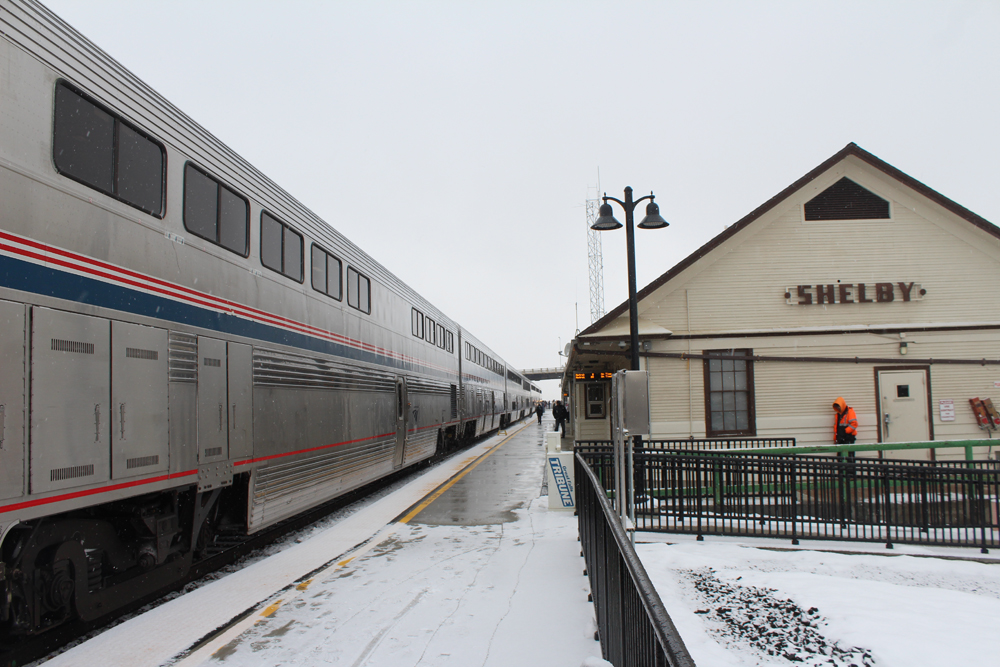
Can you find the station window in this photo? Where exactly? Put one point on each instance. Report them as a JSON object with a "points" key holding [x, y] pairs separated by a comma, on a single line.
{"points": [[326, 273], [729, 396], [214, 212], [595, 400], [99, 149], [417, 323], [280, 247], [359, 291]]}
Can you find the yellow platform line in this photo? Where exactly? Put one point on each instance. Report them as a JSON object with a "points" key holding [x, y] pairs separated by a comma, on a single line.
{"points": [[422, 505]]}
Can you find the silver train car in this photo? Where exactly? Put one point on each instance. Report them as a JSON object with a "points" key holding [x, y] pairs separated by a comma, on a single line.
{"points": [[186, 352]]}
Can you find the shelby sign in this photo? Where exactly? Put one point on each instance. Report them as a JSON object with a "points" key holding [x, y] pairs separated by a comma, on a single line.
{"points": [[837, 293]]}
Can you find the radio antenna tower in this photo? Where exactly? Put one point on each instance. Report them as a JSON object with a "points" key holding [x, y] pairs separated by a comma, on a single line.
{"points": [[595, 257]]}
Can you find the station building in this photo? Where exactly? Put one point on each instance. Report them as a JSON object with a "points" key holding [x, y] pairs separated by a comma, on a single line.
{"points": [[855, 281]]}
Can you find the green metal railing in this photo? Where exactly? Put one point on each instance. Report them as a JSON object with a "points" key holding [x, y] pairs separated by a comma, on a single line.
{"points": [[805, 492]]}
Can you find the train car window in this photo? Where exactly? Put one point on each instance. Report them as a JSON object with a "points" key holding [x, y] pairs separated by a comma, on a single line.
{"points": [[97, 148], [270, 242], [417, 323], [233, 217], [280, 247], [429, 331], [214, 212], [440, 337], [358, 291], [326, 271], [201, 196], [293, 254], [140, 170], [451, 342]]}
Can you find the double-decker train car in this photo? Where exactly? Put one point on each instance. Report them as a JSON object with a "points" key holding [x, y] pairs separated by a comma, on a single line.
{"points": [[186, 351]]}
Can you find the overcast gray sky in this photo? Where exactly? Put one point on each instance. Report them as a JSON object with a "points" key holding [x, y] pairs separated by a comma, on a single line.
{"points": [[457, 142]]}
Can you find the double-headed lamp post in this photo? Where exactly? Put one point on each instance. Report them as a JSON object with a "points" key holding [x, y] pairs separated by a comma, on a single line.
{"points": [[606, 222]]}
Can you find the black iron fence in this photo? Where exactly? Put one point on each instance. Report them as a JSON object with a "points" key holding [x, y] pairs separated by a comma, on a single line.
{"points": [[817, 497], [700, 444], [634, 627]]}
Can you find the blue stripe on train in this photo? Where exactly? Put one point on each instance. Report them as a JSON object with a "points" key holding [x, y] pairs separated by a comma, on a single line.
{"points": [[29, 277]]}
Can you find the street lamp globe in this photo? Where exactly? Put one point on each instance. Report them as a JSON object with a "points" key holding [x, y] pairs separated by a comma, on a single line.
{"points": [[652, 219], [605, 219]]}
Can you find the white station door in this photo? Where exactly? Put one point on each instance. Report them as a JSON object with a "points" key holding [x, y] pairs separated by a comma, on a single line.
{"points": [[904, 418]]}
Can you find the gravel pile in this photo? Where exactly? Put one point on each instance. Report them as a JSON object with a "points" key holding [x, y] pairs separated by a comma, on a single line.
{"points": [[770, 625]]}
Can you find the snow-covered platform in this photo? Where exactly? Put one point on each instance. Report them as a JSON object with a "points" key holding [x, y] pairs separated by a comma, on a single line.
{"points": [[463, 565]]}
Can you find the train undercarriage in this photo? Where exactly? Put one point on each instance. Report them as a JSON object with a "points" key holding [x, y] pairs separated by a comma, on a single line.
{"points": [[88, 563]]}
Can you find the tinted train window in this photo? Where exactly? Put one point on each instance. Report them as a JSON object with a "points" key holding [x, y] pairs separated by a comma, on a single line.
{"points": [[280, 247], [440, 337], [429, 332], [417, 323], [140, 170], [325, 272], [451, 342], [99, 149], [359, 291], [214, 212]]}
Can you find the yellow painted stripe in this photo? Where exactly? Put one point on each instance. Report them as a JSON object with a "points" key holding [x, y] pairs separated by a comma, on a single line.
{"points": [[304, 585], [267, 613], [437, 494]]}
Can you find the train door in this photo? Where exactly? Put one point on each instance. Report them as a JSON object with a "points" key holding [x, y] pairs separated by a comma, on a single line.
{"points": [[402, 412], [138, 400], [903, 407], [213, 417], [69, 433], [240, 383], [12, 331], [493, 410]]}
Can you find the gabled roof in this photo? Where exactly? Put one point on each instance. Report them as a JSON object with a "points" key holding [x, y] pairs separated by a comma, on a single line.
{"points": [[851, 149]]}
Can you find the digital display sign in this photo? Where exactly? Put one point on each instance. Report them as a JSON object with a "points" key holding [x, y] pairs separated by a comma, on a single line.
{"points": [[593, 376]]}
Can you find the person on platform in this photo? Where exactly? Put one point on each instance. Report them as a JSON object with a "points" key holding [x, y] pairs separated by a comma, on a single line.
{"points": [[539, 410], [846, 427], [560, 413]]}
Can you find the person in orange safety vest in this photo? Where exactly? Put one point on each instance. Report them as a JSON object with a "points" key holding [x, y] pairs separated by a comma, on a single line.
{"points": [[846, 428]]}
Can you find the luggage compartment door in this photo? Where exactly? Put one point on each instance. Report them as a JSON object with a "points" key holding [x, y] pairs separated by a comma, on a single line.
{"points": [[240, 375], [70, 433], [138, 400], [213, 416], [12, 337]]}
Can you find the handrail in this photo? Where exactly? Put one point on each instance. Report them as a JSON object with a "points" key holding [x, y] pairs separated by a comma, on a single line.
{"points": [[674, 652]]}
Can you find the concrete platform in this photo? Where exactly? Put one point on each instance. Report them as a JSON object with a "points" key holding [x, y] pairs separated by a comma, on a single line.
{"points": [[462, 566]]}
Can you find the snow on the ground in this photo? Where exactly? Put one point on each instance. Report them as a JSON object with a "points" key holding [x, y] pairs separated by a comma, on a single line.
{"points": [[505, 594], [743, 605]]}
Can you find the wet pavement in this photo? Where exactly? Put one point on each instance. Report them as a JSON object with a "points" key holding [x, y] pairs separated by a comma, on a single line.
{"points": [[506, 481]]}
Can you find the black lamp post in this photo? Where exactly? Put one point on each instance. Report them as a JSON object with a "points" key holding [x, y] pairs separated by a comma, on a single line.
{"points": [[605, 222]]}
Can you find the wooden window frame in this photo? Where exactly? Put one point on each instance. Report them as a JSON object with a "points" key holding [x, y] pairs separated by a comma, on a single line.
{"points": [[751, 430]]}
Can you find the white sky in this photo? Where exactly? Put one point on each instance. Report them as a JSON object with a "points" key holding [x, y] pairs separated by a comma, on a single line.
{"points": [[457, 142]]}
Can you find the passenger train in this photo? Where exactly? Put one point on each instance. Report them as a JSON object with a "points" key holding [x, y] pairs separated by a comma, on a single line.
{"points": [[186, 351]]}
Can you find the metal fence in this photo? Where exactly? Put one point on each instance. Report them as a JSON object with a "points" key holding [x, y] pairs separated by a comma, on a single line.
{"points": [[697, 445], [633, 625], [817, 497]]}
